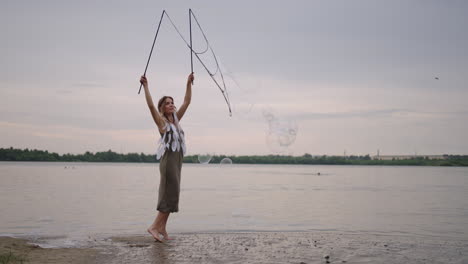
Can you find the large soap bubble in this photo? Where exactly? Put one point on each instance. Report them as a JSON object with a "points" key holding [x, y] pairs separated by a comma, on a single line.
{"points": [[281, 132], [205, 158], [226, 161]]}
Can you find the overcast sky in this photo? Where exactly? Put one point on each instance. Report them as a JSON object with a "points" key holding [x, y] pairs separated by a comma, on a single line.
{"points": [[354, 76]]}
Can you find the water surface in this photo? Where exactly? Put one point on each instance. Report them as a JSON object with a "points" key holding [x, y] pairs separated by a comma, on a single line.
{"points": [[82, 199]]}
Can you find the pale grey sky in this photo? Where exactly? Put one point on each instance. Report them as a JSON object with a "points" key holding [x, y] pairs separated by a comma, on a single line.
{"points": [[354, 75]]}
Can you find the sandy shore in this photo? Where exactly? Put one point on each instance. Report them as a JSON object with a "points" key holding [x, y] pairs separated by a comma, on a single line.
{"points": [[31, 253], [263, 247]]}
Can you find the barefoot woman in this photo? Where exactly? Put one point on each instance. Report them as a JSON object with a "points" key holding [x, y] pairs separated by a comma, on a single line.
{"points": [[171, 151]]}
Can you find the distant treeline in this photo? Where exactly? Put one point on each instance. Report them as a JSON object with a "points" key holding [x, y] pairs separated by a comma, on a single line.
{"points": [[12, 154]]}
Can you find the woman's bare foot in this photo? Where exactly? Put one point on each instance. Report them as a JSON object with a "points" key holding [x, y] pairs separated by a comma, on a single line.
{"points": [[155, 234], [163, 232], [166, 236]]}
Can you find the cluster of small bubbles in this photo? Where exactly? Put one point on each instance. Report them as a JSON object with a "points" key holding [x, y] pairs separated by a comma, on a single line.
{"points": [[226, 161], [281, 132], [205, 158]]}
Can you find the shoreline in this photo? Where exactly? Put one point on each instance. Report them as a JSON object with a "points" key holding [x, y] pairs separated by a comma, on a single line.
{"points": [[253, 247], [247, 164], [444, 160]]}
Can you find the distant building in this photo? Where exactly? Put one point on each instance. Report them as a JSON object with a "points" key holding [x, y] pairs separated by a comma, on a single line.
{"points": [[403, 157]]}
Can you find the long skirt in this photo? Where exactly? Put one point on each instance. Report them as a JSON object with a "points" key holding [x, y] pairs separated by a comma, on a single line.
{"points": [[170, 168]]}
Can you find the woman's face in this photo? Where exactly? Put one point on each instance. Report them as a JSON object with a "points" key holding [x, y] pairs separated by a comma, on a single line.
{"points": [[168, 106]]}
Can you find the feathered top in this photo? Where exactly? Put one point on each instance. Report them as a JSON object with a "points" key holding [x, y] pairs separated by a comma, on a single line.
{"points": [[172, 138]]}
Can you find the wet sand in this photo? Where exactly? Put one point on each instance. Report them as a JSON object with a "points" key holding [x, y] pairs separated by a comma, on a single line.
{"points": [[31, 253], [256, 247]]}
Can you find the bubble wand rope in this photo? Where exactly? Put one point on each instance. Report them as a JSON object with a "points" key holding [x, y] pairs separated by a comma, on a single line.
{"points": [[218, 69], [224, 92], [189, 45], [152, 47]]}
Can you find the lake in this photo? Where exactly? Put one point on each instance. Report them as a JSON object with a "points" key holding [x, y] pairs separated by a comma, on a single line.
{"points": [[77, 200]]}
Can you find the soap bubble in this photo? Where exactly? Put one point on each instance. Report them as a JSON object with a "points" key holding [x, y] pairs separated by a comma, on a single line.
{"points": [[226, 161], [272, 143], [268, 114], [281, 132], [205, 158]]}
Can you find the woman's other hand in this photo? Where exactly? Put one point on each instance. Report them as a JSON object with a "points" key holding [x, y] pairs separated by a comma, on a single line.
{"points": [[143, 80], [190, 78]]}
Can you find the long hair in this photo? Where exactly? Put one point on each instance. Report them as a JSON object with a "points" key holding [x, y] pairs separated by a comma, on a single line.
{"points": [[161, 106]]}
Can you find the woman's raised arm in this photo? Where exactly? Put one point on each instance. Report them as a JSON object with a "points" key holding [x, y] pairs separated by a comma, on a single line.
{"points": [[158, 120], [187, 98]]}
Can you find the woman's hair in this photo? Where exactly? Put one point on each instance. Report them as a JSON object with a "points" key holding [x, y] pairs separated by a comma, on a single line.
{"points": [[161, 104]]}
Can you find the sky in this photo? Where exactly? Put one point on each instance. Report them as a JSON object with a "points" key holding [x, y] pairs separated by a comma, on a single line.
{"points": [[343, 77]]}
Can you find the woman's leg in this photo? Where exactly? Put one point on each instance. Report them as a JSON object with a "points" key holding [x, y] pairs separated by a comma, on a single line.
{"points": [[156, 226], [164, 223]]}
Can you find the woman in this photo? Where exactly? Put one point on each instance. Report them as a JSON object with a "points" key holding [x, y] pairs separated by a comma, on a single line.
{"points": [[171, 151]]}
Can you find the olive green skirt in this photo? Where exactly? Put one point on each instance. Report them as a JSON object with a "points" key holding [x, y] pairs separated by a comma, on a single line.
{"points": [[170, 167]]}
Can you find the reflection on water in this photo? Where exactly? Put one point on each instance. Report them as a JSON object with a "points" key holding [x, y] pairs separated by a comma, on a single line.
{"points": [[79, 199]]}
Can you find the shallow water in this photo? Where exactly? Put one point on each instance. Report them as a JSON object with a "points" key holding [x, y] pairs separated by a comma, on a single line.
{"points": [[79, 200]]}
